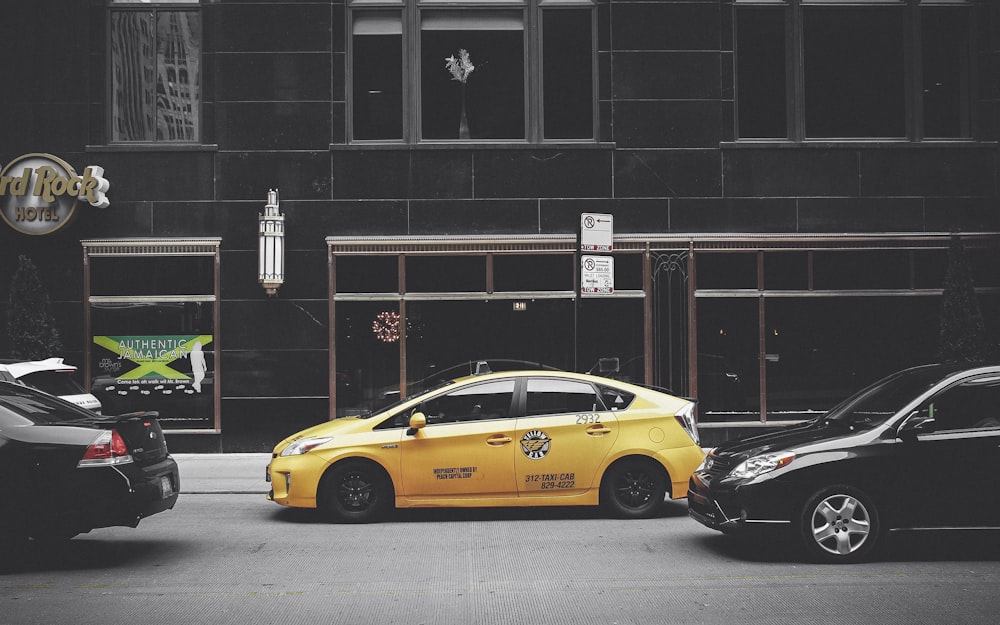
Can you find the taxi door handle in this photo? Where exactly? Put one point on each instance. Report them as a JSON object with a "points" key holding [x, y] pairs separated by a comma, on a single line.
{"points": [[498, 439], [594, 430]]}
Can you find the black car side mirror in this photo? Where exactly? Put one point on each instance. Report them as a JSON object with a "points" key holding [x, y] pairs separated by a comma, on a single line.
{"points": [[919, 422]]}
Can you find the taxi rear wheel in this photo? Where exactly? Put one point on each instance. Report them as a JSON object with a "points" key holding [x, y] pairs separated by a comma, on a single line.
{"points": [[633, 488], [354, 492]]}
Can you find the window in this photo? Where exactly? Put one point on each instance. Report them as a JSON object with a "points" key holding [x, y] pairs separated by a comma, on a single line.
{"points": [[155, 71], [152, 322], [480, 402], [971, 405], [510, 71], [830, 69], [551, 396]]}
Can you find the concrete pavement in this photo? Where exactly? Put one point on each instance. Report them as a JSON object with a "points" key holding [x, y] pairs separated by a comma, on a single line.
{"points": [[223, 473]]}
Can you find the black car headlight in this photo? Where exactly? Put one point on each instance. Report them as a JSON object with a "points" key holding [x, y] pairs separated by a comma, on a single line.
{"points": [[759, 465]]}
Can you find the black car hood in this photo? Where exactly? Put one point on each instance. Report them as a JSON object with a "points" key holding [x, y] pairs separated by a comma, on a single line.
{"points": [[792, 437]]}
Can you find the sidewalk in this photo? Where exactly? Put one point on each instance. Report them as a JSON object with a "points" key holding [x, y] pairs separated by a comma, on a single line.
{"points": [[223, 473]]}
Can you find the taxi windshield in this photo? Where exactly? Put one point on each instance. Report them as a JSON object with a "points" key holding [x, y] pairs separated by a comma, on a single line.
{"points": [[380, 410]]}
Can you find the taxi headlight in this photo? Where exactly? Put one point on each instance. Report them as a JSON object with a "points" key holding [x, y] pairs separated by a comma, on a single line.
{"points": [[301, 446], [759, 465]]}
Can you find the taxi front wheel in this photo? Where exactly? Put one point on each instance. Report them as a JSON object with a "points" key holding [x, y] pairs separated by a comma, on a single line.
{"points": [[633, 488], [354, 492]]}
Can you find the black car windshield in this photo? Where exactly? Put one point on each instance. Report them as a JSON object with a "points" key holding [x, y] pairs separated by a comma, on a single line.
{"points": [[23, 406], [883, 399]]}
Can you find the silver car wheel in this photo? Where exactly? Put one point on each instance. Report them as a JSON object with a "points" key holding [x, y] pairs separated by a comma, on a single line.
{"points": [[840, 524]]}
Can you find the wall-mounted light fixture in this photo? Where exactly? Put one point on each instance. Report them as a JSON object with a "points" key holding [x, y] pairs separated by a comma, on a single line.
{"points": [[271, 259]]}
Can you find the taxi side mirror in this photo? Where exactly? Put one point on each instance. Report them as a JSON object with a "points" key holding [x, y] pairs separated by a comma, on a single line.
{"points": [[418, 421]]}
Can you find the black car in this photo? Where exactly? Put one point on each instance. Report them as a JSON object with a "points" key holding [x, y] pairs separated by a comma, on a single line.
{"points": [[919, 449], [67, 470]]}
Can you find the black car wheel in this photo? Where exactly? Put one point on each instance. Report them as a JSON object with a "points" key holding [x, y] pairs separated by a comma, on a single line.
{"points": [[839, 524], [634, 488], [354, 492]]}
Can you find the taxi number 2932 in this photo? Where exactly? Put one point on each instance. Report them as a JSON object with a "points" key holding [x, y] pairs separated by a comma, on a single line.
{"points": [[591, 417]]}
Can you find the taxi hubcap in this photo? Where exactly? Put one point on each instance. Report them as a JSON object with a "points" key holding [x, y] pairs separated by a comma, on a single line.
{"points": [[635, 489], [356, 492]]}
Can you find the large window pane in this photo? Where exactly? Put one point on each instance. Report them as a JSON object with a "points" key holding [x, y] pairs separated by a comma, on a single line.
{"points": [[946, 73], [155, 75], [820, 350], [567, 74], [445, 274], [884, 269], [854, 78], [158, 357], [728, 363], [538, 272], [760, 72], [367, 274], [444, 337], [727, 270], [492, 95], [378, 75], [153, 275], [367, 373]]}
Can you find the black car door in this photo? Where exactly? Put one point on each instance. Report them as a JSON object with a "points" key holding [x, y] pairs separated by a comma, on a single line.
{"points": [[953, 461]]}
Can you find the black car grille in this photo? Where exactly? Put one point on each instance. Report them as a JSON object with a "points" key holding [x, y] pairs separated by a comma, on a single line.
{"points": [[717, 466]]}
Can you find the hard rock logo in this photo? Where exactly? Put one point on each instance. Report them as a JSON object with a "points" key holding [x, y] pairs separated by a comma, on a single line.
{"points": [[535, 444], [39, 192]]}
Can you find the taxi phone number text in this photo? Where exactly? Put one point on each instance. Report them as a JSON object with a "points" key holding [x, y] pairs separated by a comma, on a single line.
{"points": [[548, 481]]}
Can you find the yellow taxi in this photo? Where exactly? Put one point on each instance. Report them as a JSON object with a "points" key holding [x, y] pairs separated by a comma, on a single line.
{"points": [[520, 438]]}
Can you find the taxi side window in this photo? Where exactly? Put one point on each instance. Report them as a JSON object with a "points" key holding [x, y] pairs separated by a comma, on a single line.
{"points": [[616, 399], [479, 402], [974, 404], [554, 396]]}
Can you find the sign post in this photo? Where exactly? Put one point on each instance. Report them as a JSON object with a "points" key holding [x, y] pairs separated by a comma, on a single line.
{"points": [[594, 265]]}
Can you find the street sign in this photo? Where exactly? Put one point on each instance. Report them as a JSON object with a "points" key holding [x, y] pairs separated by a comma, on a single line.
{"points": [[597, 275], [596, 232]]}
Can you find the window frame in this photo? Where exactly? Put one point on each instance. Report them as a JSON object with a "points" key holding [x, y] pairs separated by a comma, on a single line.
{"points": [[533, 12], [912, 60], [156, 7]]}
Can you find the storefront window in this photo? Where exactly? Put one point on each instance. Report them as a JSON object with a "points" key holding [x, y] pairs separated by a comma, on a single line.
{"points": [[728, 363], [153, 327], [367, 274], [539, 272], [821, 350], [447, 335], [155, 356], [368, 340], [442, 274]]}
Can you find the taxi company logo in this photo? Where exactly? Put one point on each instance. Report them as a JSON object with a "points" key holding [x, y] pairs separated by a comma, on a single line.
{"points": [[39, 192], [535, 444]]}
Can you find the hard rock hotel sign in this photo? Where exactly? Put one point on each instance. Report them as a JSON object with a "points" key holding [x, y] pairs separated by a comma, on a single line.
{"points": [[39, 192]]}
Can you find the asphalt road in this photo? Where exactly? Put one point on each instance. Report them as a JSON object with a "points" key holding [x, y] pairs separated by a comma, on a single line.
{"points": [[225, 555]]}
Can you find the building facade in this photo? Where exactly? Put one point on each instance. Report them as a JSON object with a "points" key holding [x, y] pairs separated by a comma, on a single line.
{"points": [[784, 177]]}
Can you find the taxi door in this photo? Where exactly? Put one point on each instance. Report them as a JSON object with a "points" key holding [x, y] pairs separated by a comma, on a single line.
{"points": [[467, 448], [562, 439]]}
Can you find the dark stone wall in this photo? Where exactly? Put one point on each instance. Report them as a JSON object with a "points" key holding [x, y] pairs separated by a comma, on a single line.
{"points": [[274, 85]]}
